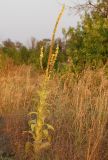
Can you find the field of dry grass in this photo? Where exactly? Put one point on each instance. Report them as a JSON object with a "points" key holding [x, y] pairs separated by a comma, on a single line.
{"points": [[78, 112]]}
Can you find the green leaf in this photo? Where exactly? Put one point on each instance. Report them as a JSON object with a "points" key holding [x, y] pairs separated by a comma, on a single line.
{"points": [[45, 132], [33, 127], [31, 113], [31, 122], [50, 127]]}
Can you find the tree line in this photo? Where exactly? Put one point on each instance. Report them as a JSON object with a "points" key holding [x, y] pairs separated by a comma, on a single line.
{"points": [[85, 45]]}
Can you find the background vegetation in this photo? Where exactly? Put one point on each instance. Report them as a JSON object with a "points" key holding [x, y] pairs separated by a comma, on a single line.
{"points": [[77, 93]]}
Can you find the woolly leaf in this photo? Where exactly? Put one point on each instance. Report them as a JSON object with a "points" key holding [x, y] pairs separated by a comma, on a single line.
{"points": [[50, 127], [31, 113]]}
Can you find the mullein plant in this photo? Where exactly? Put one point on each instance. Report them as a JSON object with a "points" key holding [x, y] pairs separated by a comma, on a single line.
{"points": [[39, 129]]}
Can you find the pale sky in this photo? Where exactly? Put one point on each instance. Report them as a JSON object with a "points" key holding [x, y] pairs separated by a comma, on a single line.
{"points": [[23, 19]]}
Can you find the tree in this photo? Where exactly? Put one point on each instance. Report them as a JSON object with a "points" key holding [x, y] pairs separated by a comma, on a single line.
{"points": [[87, 44]]}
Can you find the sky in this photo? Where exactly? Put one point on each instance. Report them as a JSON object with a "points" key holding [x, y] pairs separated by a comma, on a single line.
{"points": [[22, 19]]}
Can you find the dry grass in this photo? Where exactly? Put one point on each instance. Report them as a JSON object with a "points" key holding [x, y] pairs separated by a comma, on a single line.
{"points": [[17, 97], [80, 117], [79, 113]]}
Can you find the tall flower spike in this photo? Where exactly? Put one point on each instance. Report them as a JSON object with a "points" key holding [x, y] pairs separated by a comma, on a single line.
{"points": [[41, 57], [52, 41], [57, 51], [53, 59]]}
